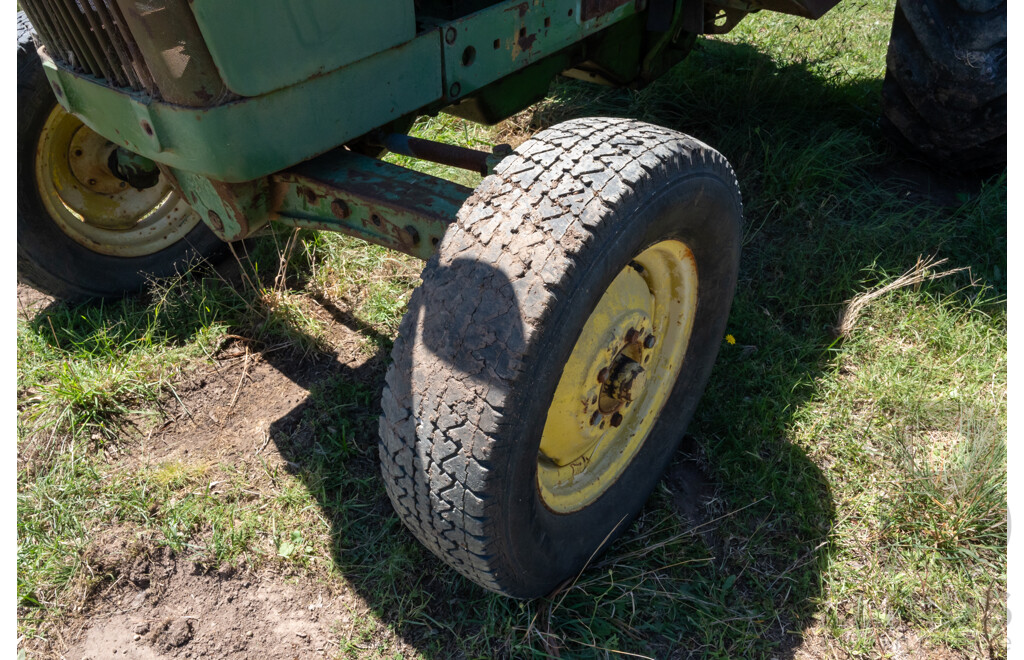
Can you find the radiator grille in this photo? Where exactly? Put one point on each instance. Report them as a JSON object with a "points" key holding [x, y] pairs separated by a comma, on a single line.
{"points": [[91, 37]]}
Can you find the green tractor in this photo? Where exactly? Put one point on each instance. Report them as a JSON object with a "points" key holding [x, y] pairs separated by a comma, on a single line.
{"points": [[572, 305]]}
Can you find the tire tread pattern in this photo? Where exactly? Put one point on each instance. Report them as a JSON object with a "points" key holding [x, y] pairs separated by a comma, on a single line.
{"points": [[529, 222], [944, 93]]}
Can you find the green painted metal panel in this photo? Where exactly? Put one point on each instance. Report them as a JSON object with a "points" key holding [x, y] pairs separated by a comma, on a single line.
{"points": [[255, 137], [496, 41], [263, 45]]}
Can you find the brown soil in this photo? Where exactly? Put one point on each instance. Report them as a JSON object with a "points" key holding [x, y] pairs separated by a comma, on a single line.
{"points": [[30, 301], [224, 413], [163, 607]]}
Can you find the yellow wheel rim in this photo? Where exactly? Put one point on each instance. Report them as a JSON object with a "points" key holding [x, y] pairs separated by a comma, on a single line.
{"points": [[93, 206], [618, 377]]}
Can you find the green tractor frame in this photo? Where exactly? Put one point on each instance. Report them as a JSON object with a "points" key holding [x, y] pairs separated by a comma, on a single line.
{"points": [[572, 305]]}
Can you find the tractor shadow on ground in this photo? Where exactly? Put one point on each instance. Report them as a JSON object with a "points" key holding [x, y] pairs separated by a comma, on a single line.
{"points": [[746, 512]]}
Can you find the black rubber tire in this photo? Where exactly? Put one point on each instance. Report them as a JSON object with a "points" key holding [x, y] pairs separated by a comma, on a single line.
{"points": [[944, 94], [480, 351], [48, 259]]}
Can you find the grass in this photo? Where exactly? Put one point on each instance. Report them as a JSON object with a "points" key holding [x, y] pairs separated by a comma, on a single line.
{"points": [[853, 497]]}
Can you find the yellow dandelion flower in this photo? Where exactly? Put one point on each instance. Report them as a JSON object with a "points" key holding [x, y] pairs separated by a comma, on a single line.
{"points": [[730, 339]]}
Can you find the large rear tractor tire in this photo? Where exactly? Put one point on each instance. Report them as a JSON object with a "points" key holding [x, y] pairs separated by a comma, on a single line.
{"points": [[944, 94], [552, 358], [82, 231]]}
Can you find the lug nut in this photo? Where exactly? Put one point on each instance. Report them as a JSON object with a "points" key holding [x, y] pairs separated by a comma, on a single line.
{"points": [[616, 419], [649, 342], [595, 419], [602, 376]]}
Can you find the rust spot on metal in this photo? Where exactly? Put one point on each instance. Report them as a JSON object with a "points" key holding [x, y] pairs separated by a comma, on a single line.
{"points": [[215, 220], [522, 8], [602, 376], [410, 235], [147, 127], [308, 194], [449, 36], [526, 40], [593, 8], [616, 419], [340, 209]]}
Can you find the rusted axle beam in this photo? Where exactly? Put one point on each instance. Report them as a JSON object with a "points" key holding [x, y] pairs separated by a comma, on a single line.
{"points": [[376, 201]]}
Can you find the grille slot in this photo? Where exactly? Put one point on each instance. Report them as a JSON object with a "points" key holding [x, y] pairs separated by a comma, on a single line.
{"points": [[91, 37]]}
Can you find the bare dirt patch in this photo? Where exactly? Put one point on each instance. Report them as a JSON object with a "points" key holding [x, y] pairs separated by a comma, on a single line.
{"points": [[30, 301], [166, 607], [225, 412]]}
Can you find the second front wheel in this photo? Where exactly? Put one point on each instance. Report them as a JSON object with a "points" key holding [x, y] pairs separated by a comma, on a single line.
{"points": [[550, 362]]}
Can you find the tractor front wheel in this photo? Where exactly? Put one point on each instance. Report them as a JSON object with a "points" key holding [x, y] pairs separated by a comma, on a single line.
{"points": [[556, 350]]}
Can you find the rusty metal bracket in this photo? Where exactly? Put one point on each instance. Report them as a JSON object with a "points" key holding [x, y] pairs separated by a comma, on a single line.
{"points": [[376, 201]]}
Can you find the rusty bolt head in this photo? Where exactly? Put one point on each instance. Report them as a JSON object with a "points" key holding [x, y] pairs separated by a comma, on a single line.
{"points": [[455, 90], [616, 419], [631, 335], [650, 341], [449, 36], [628, 380], [215, 221], [78, 152], [595, 419], [602, 376]]}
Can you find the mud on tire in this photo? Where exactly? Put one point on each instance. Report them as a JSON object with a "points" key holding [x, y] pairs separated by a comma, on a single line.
{"points": [[481, 350], [944, 94]]}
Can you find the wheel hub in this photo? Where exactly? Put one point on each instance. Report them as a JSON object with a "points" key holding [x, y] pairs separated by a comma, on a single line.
{"points": [[627, 382], [618, 377], [89, 157], [94, 207]]}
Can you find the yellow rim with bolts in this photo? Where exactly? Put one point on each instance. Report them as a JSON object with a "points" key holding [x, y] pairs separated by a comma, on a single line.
{"points": [[93, 206], [619, 376]]}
